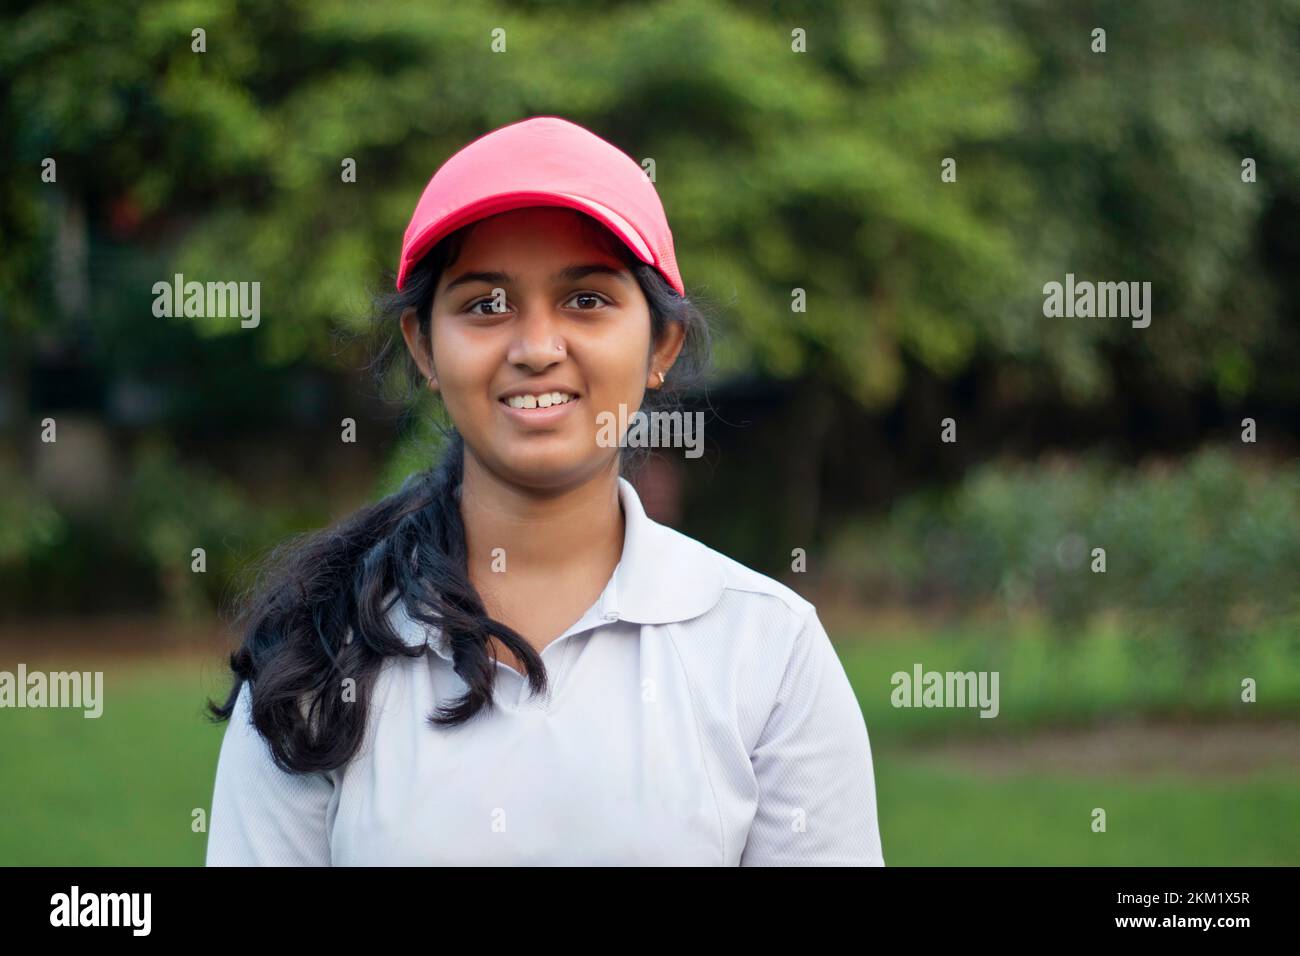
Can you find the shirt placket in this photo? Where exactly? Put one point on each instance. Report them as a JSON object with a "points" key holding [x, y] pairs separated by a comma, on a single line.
{"points": [[602, 612]]}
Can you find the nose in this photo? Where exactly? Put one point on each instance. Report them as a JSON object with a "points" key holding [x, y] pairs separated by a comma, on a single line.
{"points": [[538, 342]]}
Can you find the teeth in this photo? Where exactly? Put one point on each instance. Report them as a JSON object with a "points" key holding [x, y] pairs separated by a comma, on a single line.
{"points": [[544, 400]]}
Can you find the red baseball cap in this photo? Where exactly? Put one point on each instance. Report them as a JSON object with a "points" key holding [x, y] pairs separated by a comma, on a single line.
{"points": [[543, 161]]}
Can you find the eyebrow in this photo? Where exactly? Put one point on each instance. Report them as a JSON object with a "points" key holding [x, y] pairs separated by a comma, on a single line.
{"points": [[569, 274]]}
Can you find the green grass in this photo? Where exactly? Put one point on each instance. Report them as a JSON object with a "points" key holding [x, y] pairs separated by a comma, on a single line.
{"points": [[116, 790], [1042, 682], [936, 818], [121, 790]]}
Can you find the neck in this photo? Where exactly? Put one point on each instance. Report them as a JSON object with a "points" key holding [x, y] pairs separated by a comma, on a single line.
{"points": [[541, 532]]}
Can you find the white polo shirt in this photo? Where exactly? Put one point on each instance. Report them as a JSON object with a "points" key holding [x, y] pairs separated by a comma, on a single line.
{"points": [[697, 716]]}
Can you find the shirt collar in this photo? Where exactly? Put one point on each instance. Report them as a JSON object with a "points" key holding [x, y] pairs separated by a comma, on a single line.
{"points": [[663, 577]]}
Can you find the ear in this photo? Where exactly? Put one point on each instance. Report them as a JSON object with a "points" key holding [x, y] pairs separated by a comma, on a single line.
{"points": [[665, 353], [419, 346]]}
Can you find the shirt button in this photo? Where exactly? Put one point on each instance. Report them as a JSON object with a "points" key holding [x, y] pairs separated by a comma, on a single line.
{"points": [[611, 615]]}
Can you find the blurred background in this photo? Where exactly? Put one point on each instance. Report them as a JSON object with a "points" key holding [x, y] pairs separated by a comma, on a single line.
{"points": [[779, 170]]}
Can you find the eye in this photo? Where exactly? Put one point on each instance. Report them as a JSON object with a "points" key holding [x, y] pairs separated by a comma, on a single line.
{"points": [[473, 307], [592, 296]]}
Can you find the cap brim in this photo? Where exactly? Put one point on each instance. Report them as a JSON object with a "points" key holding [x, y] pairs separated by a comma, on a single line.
{"points": [[428, 237]]}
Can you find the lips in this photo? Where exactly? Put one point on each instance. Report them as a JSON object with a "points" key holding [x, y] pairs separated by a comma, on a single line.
{"points": [[549, 399], [539, 418]]}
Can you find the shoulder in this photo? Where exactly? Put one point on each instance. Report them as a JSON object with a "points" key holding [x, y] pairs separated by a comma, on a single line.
{"points": [[736, 584], [740, 653], [750, 623], [746, 583], [666, 576]]}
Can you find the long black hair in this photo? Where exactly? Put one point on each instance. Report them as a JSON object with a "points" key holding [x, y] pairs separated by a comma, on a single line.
{"points": [[317, 613]]}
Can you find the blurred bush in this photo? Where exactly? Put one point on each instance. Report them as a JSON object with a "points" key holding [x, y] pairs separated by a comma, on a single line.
{"points": [[29, 524], [1203, 553], [173, 508], [140, 554]]}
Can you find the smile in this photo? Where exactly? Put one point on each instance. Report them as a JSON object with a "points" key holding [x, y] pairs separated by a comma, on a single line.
{"points": [[544, 410], [542, 400]]}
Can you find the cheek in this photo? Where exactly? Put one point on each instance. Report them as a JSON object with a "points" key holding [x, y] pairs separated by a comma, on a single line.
{"points": [[616, 370], [465, 370]]}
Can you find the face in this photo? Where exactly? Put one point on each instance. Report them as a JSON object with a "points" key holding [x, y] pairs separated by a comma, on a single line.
{"points": [[572, 320]]}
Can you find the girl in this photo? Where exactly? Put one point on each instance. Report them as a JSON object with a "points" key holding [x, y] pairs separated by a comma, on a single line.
{"points": [[507, 661]]}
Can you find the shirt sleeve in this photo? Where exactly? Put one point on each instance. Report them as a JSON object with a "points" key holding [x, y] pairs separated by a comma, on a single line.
{"points": [[816, 786], [261, 815]]}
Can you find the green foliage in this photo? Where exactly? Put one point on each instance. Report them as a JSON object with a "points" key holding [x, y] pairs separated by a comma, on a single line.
{"points": [[28, 522], [175, 508], [1201, 553], [779, 170], [140, 552], [418, 449]]}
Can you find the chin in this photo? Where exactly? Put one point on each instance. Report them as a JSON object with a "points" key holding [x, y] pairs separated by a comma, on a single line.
{"points": [[546, 469]]}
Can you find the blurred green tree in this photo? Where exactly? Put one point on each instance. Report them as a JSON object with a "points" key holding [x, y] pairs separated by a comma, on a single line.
{"points": [[781, 171]]}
